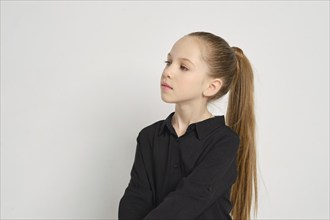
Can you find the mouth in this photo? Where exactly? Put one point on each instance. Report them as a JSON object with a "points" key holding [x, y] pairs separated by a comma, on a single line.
{"points": [[164, 85]]}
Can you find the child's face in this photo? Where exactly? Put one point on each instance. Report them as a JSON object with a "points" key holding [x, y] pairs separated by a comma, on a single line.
{"points": [[185, 72]]}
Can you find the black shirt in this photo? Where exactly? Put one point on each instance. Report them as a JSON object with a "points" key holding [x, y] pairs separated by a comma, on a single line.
{"points": [[187, 177]]}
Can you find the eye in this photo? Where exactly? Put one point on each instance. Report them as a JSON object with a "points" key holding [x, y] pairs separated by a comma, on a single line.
{"points": [[184, 68], [167, 62]]}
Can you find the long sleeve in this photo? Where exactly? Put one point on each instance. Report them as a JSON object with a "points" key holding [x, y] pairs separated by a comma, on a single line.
{"points": [[201, 188], [137, 199]]}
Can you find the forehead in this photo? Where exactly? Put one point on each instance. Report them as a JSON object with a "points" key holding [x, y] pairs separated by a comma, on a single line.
{"points": [[187, 47]]}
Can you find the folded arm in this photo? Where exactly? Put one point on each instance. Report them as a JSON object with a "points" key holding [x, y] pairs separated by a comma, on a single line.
{"points": [[137, 200]]}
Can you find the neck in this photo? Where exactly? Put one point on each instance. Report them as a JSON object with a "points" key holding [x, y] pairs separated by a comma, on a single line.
{"points": [[186, 114]]}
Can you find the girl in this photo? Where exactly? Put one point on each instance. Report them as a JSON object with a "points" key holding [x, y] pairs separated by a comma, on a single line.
{"points": [[194, 165]]}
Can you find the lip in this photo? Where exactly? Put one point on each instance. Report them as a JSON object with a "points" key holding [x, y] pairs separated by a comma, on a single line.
{"points": [[166, 85]]}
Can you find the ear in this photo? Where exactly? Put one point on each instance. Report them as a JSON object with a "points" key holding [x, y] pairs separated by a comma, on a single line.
{"points": [[213, 86]]}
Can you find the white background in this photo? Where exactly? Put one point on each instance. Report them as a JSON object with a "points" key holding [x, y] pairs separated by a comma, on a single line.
{"points": [[80, 79]]}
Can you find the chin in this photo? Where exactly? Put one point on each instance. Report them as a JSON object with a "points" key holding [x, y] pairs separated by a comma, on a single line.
{"points": [[167, 100]]}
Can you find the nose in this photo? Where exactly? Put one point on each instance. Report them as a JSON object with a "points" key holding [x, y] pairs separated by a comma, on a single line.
{"points": [[167, 72]]}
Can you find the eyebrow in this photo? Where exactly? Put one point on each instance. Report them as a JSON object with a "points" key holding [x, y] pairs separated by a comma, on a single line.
{"points": [[182, 58]]}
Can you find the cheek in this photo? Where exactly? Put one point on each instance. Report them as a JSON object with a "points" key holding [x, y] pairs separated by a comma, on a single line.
{"points": [[190, 84]]}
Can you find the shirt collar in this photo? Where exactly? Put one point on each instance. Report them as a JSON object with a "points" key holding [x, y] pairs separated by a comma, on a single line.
{"points": [[203, 128]]}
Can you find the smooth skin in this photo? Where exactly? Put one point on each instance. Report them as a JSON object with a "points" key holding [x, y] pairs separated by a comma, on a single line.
{"points": [[187, 74]]}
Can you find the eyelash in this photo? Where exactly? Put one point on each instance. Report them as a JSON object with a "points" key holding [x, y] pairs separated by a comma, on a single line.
{"points": [[182, 67], [167, 62]]}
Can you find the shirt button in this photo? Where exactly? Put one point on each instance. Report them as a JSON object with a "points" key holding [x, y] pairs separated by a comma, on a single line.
{"points": [[176, 165]]}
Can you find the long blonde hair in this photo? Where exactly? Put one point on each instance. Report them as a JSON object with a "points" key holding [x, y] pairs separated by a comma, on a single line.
{"points": [[232, 66]]}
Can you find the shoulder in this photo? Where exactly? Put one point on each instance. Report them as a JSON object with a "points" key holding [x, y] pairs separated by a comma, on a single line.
{"points": [[155, 127], [151, 129], [230, 132], [227, 135]]}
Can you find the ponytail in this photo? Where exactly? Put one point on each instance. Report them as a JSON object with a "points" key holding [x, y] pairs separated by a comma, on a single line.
{"points": [[241, 119]]}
